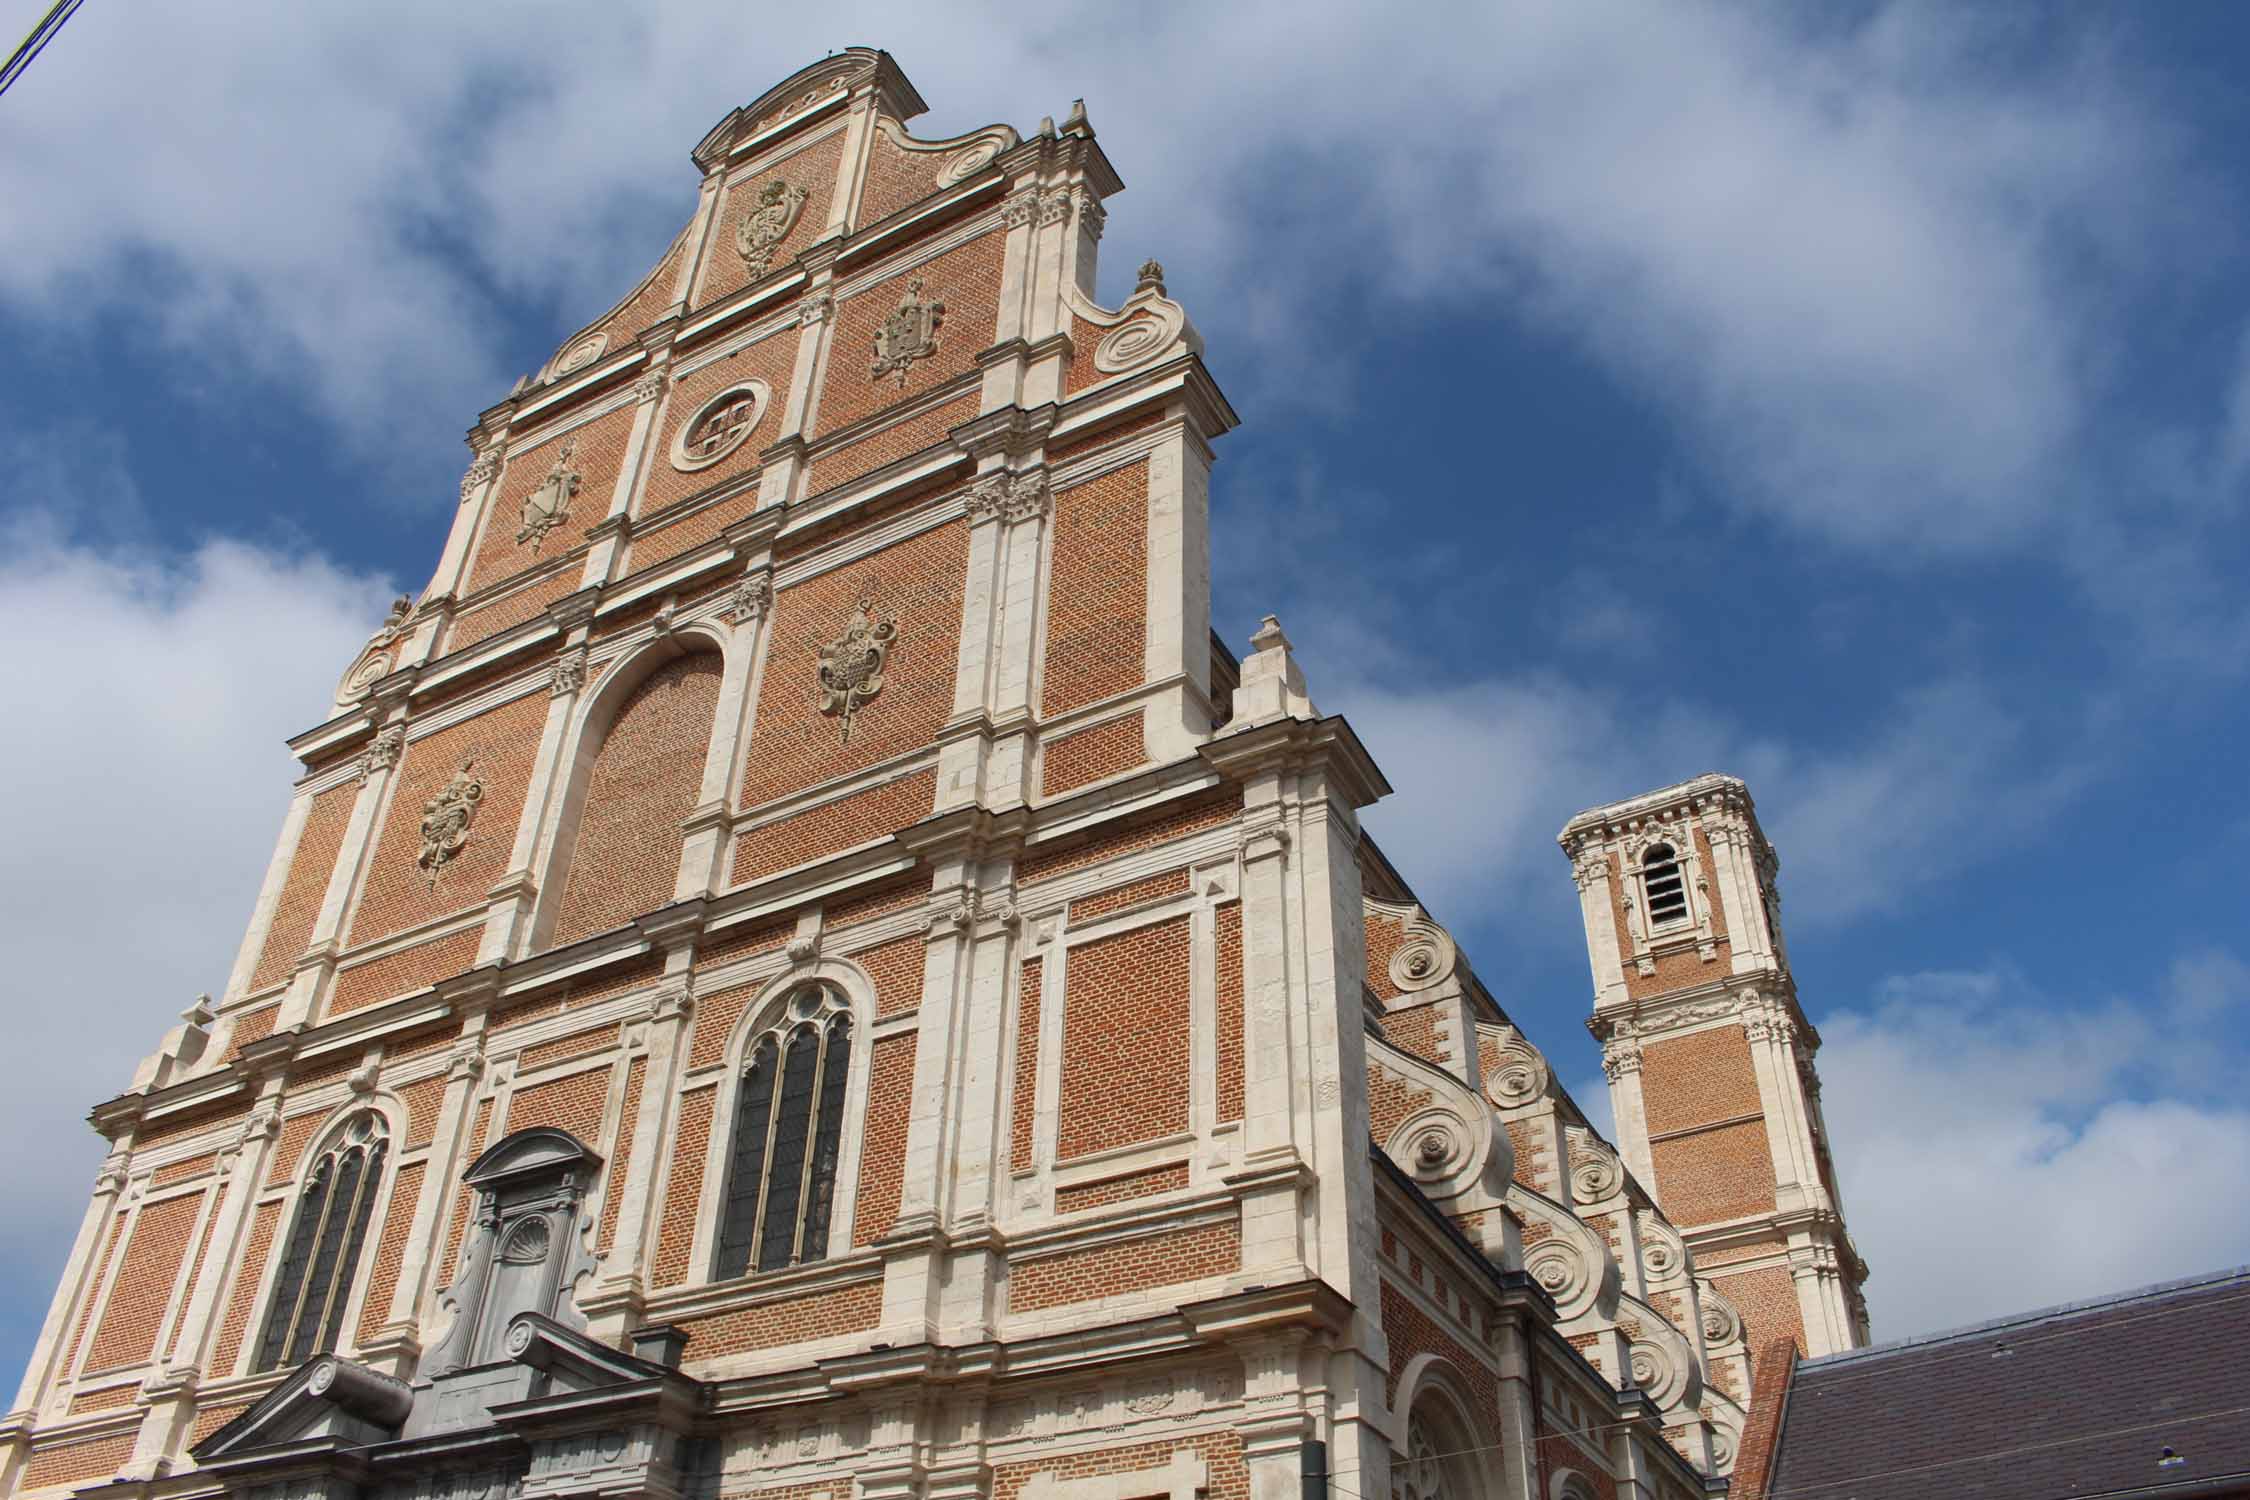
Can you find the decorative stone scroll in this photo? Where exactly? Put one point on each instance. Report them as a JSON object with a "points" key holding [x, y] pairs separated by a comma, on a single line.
{"points": [[480, 473], [767, 224], [548, 504], [851, 666], [908, 333], [1520, 1074], [578, 356], [446, 820]]}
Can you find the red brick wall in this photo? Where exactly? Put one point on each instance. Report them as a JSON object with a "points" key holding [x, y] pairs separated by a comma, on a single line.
{"points": [[563, 1048], [1410, 1331], [1715, 1174], [403, 972], [646, 778], [896, 178], [390, 1251], [1209, 812], [1767, 1300], [790, 1320], [1026, 1102], [93, 1287], [250, 1026], [307, 882], [1132, 1265], [649, 302], [1097, 615], [573, 1103], [887, 445], [397, 893], [458, 1224], [613, 1191], [1117, 898], [1228, 1478], [1414, 1031], [1090, 755], [1115, 432], [154, 1250], [511, 609], [833, 827], [966, 279], [1232, 1069], [1125, 1049], [1122, 1188], [675, 1236], [882, 1154], [1385, 936], [1697, 1078], [918, 582], [896, 969], [1389, 1101], [75, 1463], [814, 170], [597, 452], [242, 1301]]}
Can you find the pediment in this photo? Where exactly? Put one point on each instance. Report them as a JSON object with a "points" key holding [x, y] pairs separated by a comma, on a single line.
{"points": [[327, 1401], [539, 1152], [574, 1361]]}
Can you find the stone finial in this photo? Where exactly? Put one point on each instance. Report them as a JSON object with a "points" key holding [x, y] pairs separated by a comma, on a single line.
{"points": [[1152, 280], [1076, 123], [1272, 686], [1046, 127]]}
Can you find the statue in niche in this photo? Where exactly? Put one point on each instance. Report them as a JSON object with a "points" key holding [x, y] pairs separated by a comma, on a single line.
{"points": [[764, 228], [548, 504]]}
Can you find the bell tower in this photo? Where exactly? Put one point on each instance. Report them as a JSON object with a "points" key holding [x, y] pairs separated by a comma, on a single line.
{"points": [[1710, 1058]]}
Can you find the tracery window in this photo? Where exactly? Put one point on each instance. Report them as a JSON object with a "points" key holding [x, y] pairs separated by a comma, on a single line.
{"points": [[1666, 885], [322, 1252], [719, 426], [788, 1132]]}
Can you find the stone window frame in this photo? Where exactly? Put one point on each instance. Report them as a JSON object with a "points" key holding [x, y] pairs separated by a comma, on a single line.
{"points": [[1694, 927], [351, 1278], [765, 1010], [1181, 1477], [759, 392], [813, 1021]]}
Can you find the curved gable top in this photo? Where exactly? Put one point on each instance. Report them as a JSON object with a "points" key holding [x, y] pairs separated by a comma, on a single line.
{"points": [[834, 76], [539, 1151]]}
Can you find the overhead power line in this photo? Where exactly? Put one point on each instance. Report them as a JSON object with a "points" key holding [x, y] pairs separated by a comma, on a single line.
{"points": [[36, 43]]}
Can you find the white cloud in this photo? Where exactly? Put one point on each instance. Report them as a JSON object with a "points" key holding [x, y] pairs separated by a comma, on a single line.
{"points": [[1854, 267], [147, 780], [2002, 1150]]}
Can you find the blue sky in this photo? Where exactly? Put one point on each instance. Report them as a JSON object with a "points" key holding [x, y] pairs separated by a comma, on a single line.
{"points": [[1856, 399]]}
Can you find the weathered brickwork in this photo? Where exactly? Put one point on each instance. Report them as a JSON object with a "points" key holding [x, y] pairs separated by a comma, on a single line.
{"points": [[1767, 1299], [1535, 1166], [896, 969], [1024, 1111], [771, 359], [882, 1152], [613, 1187], [847, 461], [811, 170], [788, 1320], [597, 453], [1415, 1031], [290, 1145], [498, 748], [566, 1049], [1721, 1173], [966, 279], [1133, 893], [209, 1419], [54, 1464], [743, 942], [1193, 816], [1091, 755], [1125, 1039], [303, 889], [874, 901], [154, 1250], [1102, 437], [675, 1237], [1097, 615], [573, 1103], [895, 178], [109, 1398], [506, 611], [1120, 1266], [181, 1171], [1410, 1331], [1698, 1078], [250, 1026], [1083, 374], [1228, 1054], [833, 827], [646, 778], [242, 1297], [716, 1017], [390, 1250], [457, 1223], [403, 972], [917, 582], [1228, 1478], [1385, 936], [1122, 1188], [1390, 1099]]}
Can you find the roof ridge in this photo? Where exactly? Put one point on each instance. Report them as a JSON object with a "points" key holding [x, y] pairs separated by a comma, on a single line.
{"points": [[2036, 1315]]}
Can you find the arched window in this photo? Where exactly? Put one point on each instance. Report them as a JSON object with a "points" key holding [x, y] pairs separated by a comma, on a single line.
{"points": [[788, 1130], [333, 1210], [1666, 885]]}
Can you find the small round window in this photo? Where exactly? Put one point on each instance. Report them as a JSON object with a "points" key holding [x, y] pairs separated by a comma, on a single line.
{"points": [[720, 427]]}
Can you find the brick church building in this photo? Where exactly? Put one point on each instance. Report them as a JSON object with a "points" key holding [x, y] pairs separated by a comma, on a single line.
{"points": [[800, 968]]}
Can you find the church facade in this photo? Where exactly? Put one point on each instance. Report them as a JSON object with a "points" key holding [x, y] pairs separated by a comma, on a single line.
{"points": [[800, 968]]}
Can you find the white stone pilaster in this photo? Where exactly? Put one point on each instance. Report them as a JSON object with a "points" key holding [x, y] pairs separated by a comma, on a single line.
{"points": [[269, 896], [378, 771], [397, 1344], [76, 1284], [621, 1284]]}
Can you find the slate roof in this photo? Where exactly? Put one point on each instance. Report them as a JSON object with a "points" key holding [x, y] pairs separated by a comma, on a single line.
{"points": [[2063, 1404]]}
